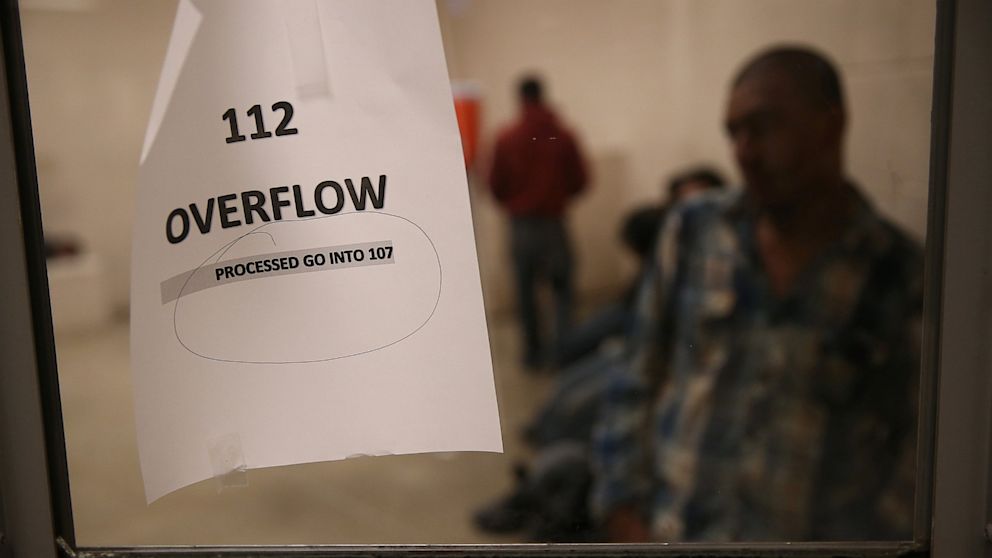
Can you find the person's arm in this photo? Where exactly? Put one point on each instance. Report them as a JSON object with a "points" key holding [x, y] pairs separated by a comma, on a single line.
{"points": [[576, 170], [621, 488], [625, 447], [622, 443], [897, 501]]}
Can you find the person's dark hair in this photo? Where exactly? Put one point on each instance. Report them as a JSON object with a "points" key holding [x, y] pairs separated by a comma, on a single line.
{"points": [[705, 174], [813, 73], [641, 225], [531, 89], [640, 228]]}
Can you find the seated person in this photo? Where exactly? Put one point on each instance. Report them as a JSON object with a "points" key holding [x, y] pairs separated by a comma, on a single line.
{"points": [[774, 394], [573, 405], [638, 233], [550, 498]]}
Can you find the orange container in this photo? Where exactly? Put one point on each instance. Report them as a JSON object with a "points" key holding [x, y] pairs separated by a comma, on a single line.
{"points": [[468, 111]]}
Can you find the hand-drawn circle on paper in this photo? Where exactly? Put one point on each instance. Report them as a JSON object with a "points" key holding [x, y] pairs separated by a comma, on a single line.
{"points": [[321, 315]]}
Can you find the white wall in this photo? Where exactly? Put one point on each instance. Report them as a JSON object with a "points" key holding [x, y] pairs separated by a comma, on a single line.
{"points": [[642, 82], [92, 70]]}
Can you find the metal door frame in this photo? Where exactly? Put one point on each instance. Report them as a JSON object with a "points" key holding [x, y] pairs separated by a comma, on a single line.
{"points": [[36, 516]]}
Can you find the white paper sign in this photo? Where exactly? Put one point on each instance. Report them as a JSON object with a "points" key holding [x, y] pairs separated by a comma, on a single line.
{"points": [[305, 284]]}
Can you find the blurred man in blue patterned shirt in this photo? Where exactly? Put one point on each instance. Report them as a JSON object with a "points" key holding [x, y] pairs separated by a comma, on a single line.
{"points": [[773, 396]]}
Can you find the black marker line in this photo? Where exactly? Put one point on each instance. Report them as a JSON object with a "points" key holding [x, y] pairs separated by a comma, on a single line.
{"points": [[229, 245]]}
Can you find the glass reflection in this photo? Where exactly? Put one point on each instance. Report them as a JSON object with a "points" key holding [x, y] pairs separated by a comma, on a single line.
{"points": [[743, 370]]}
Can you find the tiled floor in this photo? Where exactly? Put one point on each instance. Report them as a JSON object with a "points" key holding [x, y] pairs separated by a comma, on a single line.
{"points": [[387, 500]]}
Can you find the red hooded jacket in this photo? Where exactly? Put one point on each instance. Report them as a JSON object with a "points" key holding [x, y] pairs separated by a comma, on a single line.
{"points": [[537, 166]]}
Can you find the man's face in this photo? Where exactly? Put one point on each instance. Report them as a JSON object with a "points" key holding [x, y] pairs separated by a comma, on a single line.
{"points": [[782, 143]]}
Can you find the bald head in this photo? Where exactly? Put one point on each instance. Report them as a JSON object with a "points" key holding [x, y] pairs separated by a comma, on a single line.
{"points": [[813, 75]]}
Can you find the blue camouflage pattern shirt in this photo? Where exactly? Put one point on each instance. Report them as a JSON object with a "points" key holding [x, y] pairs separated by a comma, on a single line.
{"points": [[749, 416]]}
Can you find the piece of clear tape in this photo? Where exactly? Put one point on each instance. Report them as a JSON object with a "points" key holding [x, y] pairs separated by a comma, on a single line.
{"points": [[306, 48], [227, 460]]}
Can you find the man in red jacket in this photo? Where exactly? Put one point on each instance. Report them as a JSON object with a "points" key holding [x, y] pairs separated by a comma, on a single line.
{"points": [[537, 170]]}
